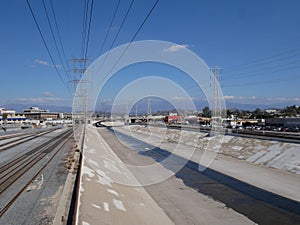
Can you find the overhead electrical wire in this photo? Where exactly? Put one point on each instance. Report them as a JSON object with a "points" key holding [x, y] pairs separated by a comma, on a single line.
{"points": [[260, 60], [117, 34], [280, 67], [89, 29], [269, 70], [45, 44], [110, 27], [264, 63], [53, 36], [131, 40], [84, 25], [58, 33], [264, 81], [144, 21], [87, 20], [122, 23], [260, 69]]}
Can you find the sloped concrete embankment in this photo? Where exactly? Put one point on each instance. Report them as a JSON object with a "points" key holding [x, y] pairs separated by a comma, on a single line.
{"points": [[275, 154]]}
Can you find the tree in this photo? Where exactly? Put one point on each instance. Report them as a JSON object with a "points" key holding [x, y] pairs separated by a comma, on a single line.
{"points": [[229, 112], [4, 118], [257, 113], [206, 112], [290, 110]]}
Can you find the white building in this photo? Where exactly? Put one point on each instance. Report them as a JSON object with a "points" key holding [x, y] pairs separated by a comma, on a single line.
{"points": [[10, 117], [272, 111], [9, 113], [34, 110]]}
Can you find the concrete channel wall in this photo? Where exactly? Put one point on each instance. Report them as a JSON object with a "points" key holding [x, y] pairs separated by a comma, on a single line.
{"points": [[276, 154]]}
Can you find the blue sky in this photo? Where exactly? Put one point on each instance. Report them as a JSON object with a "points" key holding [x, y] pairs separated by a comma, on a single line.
{"points": [[256, 43]]}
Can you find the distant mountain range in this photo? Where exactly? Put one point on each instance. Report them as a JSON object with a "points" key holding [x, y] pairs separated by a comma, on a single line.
{"points": [[161, 105], [156, 105], [251, 107]]}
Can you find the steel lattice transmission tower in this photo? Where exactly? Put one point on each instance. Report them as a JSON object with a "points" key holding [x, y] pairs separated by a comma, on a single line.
{"points": [[80, 90], [217, 107]]}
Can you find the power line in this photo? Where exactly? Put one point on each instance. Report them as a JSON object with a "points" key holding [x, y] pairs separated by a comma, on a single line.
{"points": [[263, 82], [276, 69], [53, 36], [261, 59], [58, 33], [122, 23], [217, 104], [110, 26], [45, 44], [117, 34], [264, 63], [131, 40], [265, 70], [84, 25], [89, 30], [144, 21], [269, 81]]}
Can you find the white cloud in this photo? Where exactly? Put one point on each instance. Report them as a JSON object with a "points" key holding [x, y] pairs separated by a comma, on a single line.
{"points": [[48, 94], [44, 63], [40, 100], [41, 62], [175, 48], [282, 99], [182, 98], [267, 101], [231, 97]]}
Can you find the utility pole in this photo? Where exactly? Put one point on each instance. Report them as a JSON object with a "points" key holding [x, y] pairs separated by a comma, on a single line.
{"points": [[126, 109], [136, 110], [216, 111], [80, 88], [149, 106], [104, 108], [126, 117], [77, 69], [217, 105]]}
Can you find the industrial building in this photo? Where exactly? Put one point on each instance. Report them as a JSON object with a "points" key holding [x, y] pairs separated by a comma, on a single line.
{"points": [[10, 116], [292, 122], [41, 114], [8, 113]]}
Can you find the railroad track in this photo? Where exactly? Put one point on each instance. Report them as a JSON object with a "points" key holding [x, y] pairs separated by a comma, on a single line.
{"points": [[20, 134], [23, 138], [9, 136], [13, 170]]}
